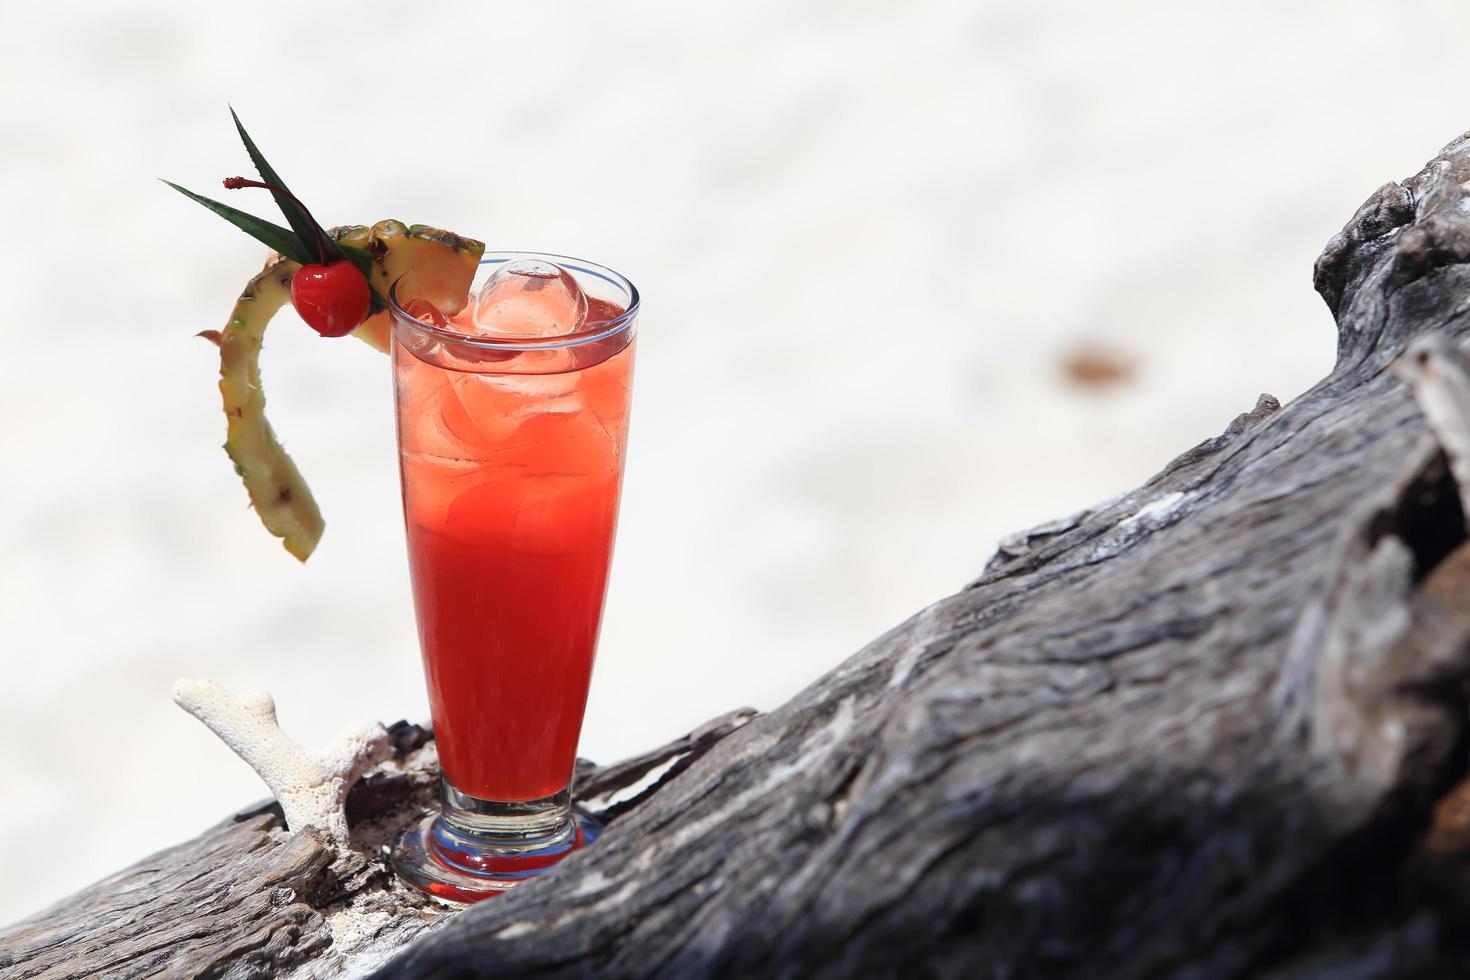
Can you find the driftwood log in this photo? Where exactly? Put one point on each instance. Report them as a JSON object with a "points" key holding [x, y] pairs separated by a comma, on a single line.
{"points": [[1216, 726]]}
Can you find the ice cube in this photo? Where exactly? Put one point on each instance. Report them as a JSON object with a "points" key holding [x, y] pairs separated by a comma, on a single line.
{"points": [[434, 426], [530, 297], [553, 489], [481, 414]]}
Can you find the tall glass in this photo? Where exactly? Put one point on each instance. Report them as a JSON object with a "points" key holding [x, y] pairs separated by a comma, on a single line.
{"points": [[511, 453]]}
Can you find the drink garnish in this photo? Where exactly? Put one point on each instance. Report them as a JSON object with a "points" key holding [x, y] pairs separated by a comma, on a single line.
{"points": [[331, 295], [325, 274]]}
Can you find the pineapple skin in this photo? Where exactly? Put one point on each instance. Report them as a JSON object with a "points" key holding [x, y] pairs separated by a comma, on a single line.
{"points": [[277, 490]]}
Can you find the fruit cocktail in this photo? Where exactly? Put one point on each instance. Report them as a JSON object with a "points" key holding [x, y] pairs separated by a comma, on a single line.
{"points": [[512, 376], [512, 421]]}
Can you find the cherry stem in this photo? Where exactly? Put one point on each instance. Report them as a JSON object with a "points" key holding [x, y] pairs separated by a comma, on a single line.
{"points": [[236, 183]]}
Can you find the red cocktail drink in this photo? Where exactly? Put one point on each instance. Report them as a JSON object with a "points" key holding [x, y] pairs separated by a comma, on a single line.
{"points": [[512, 422]]}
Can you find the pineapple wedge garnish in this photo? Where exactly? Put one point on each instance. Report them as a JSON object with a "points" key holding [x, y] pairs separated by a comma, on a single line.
{"points": [[435, 265]]}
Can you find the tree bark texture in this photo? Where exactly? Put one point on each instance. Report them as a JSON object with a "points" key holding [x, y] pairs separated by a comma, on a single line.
{"points": [[1216, 726]]}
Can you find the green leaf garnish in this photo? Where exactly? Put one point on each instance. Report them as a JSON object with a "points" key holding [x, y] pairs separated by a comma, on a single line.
{"points": [[311, 234], [271, 235], [305, 241]]}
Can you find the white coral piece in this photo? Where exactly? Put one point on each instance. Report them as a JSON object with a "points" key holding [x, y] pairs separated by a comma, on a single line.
{"points": [[312, 789]]}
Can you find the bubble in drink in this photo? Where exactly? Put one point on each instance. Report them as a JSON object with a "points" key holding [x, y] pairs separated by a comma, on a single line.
{"points": [[530, 298]]}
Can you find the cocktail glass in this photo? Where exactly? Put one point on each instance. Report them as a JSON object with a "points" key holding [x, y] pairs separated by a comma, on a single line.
{"points": [[511, 446]]}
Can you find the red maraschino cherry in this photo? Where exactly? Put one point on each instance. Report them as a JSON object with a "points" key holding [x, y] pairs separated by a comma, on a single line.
{"points": [[332, 297]]}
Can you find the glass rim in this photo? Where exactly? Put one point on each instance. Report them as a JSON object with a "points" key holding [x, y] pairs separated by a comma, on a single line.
{"points": [[601, 331]]}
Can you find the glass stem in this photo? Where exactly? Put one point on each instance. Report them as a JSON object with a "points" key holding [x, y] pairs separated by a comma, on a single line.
{"points": [[529, 823]]}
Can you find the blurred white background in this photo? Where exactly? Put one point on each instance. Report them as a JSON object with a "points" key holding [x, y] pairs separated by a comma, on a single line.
{"points": [[868, 241]]}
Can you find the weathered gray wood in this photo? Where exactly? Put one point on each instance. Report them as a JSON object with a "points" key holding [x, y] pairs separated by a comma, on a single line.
{"points": [[231, 897], [1193, 731], [1212, 727], [246, 899]]}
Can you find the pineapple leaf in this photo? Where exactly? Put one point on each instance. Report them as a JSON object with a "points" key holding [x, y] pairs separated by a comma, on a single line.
{"points": [[297, 216], [271, 235], [363, 259]]}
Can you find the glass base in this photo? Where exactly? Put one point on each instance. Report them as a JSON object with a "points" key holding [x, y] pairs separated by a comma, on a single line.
{"points": [[476, 849]]}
